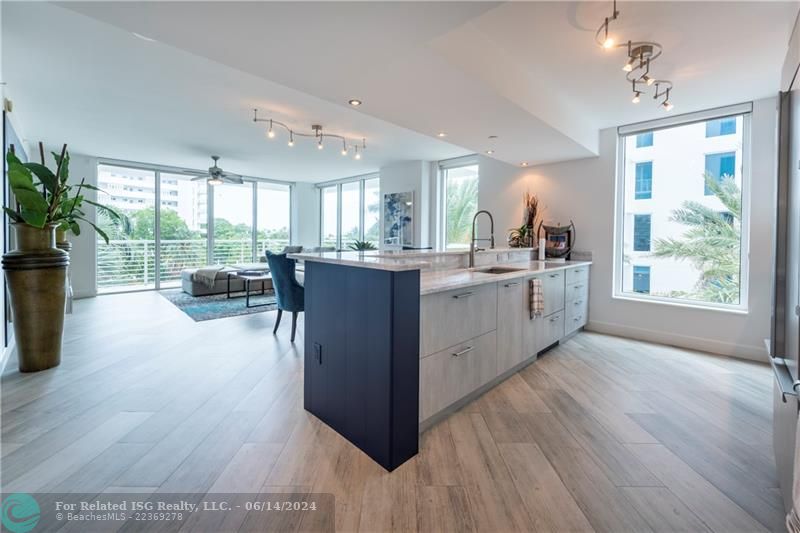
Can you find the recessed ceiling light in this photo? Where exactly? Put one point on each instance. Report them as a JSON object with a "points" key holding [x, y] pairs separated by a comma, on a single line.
{"points": [[354, 102], [490, 152], [524, 164], [441, 134], [144, 37]]}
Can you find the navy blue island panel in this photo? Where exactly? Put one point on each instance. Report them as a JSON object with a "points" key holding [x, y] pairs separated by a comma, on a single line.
{"points": [[362, 357]]}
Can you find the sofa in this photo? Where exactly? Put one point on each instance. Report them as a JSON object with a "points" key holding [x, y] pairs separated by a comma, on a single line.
{"points": [[195, 287]]}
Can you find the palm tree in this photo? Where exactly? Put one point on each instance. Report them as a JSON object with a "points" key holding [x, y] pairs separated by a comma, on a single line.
{"points": [[712, 242], [462, 204]]}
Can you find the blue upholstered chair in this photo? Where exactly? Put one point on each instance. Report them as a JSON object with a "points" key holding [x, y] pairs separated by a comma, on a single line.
{"points": [[288, 292]]}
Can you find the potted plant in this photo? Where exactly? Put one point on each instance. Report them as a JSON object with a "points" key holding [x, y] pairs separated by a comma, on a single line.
{"points": [[361, 246], [36, 270]]}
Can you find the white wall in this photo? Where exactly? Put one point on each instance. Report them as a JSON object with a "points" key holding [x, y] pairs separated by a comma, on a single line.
{"points": [[305, 215], [413, 176], [583, 190], [83, 264]]}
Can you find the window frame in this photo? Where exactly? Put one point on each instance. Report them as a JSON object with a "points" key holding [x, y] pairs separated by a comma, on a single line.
{"points": [[158, 169], [361, 179], [746, 111]]}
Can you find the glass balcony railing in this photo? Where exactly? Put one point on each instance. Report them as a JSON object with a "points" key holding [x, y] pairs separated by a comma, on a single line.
{"points": [[131, 264]]}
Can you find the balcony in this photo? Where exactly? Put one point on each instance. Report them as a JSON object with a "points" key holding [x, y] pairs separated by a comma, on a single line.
{"points": [[125, 265]]}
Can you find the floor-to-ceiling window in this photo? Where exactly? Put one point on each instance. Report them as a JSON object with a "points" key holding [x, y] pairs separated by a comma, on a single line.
{"points": [[459, 191], [273, 202], [372, 210], [350, 212], [682, 220], [151, 251], [233, 223], [330, 216], [128, 261], [182, 226]]}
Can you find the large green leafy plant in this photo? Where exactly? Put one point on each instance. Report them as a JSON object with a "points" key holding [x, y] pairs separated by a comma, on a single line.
{"points": [[711, 242], [44, 197]]}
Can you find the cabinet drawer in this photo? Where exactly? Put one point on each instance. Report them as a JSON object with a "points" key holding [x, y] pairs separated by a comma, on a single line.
{"points": [[575, 323], [577, 274], [577, 291], [553, 287], [552, 328], [449, 375], [576, 308], [452, 317]]}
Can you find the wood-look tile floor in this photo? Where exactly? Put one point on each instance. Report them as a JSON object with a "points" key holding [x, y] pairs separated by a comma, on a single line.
{"points": [[600, 434]]}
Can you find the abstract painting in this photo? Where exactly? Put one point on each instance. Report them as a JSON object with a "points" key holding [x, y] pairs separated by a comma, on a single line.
{"points": [[398, 219]]}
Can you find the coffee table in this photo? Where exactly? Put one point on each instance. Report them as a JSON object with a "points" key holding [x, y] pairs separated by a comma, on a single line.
{"points": [[248, 278]]}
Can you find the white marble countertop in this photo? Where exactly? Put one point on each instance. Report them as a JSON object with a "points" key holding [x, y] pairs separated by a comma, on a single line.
{"points": [[394, 260], [445, 280], [374, 260]]}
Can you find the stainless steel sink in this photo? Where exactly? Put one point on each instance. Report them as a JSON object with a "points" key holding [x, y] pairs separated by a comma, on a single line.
{"points": [[498, 270]]}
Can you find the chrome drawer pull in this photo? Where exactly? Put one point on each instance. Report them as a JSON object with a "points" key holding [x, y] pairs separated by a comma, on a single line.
{"points": [[578, 302], [578, 287], [511, 284], [555, 275], [465, 350], [554, 318], [463, 295]]}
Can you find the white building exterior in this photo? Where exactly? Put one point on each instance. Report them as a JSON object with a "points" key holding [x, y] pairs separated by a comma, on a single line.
{"points": [[679, 157], [130, 189]]}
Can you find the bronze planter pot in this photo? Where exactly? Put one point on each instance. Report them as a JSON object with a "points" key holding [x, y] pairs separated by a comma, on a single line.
{"points": [[36, 273]]}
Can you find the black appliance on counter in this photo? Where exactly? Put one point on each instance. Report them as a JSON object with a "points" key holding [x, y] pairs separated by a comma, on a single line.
{"points": [[784, 344]]}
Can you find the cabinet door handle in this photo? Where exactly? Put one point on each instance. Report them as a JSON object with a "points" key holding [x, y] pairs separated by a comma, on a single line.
{"points": [[578, 302], [465, 350], [578, 286], [577, 270], [511, 284], [463, 295], [554, 318], [555, 275]]}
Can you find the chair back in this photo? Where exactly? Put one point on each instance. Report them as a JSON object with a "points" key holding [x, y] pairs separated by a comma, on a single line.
{"points": [[289, 294]]}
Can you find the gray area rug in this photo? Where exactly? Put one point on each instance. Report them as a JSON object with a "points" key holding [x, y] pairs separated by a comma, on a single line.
{"points": [[201, 308]]}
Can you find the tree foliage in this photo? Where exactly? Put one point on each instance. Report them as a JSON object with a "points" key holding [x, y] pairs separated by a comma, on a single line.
{"points": [[462, 204], [711, 242]]}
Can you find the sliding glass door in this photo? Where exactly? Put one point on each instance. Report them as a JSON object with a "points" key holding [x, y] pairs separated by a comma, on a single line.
{"points": [[182, 226], [273, 202], [128, 261], [233, 224], [350, 212]]}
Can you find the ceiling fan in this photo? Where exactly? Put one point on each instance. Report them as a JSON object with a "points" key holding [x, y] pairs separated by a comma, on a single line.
{"points": [[215, 175]]}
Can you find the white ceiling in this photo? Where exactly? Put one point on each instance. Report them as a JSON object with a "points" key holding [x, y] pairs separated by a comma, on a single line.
{"points": [[528, 72]]}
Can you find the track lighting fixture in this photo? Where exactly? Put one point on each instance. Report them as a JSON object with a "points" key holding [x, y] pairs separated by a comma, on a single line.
{"points": [[316, 133], [637, 65], [602, 36]]}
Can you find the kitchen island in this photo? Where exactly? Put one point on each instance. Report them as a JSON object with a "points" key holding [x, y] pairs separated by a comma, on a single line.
{"points": [[393, 344]]}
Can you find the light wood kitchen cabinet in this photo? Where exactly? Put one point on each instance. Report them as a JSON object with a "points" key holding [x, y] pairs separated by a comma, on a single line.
{"points": [[449, 375], [553, 287], [448, 318], [511, 315]]}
